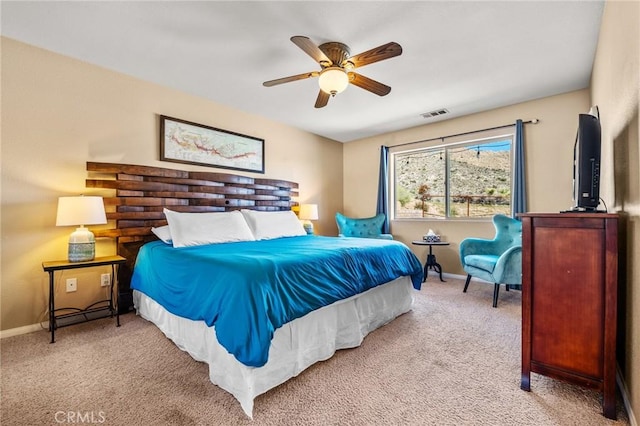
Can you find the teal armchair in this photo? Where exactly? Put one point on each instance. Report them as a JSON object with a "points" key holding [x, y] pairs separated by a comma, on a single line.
{"points": [[370, 227], [497, 261]]}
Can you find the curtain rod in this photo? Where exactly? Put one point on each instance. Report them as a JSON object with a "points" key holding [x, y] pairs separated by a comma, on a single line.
{"points": [[532, 121]]}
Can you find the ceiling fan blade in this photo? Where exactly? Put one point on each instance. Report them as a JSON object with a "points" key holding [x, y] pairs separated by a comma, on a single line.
{"points": [[379, 53], [322, 100], [312, 50], [291, 78], [368, 84]]}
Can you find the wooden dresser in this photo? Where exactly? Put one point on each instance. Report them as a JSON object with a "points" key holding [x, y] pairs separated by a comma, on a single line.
{"points": [[569, 300]]}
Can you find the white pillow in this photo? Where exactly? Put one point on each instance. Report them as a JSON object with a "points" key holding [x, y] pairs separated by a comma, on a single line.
{"points": [[268, 225], [194, 229], [164, 233]]}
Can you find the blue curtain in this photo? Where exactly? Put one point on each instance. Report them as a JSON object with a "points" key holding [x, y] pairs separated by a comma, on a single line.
{"points": [[383, 195], [519, 187]]}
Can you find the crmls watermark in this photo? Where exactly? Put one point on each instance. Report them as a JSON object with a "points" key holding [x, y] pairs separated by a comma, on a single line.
{"points": [[80, 417]]}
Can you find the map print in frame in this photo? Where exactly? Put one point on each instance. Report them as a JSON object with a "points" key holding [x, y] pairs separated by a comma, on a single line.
{"points": [[191, 143]]}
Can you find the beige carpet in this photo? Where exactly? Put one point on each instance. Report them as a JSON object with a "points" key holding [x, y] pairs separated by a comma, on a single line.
{"points": [[453, 360]]}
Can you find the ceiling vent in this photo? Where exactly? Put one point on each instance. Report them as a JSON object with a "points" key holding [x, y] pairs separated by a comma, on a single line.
{"points": [[435, 113]]}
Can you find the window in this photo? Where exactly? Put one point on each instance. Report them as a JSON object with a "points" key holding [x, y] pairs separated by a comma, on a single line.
{"points": [[471, 178]]}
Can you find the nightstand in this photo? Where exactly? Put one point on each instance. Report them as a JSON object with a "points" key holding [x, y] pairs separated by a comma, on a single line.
{"points": [[88, 313]]}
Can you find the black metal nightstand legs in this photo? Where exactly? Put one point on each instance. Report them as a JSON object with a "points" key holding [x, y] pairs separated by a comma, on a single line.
{"points": [[52, 315], [88, 313], [432, 264]]}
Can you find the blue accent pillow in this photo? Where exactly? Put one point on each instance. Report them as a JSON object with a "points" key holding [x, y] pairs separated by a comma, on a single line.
{"points": [[370, 227]]}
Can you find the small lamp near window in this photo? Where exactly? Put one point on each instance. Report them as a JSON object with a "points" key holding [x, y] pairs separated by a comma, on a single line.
{"points": [[73, 211], [308, 212]]}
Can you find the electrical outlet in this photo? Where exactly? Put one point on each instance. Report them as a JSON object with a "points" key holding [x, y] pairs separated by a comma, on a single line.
{"points": [[72, 285], [105, 280]]}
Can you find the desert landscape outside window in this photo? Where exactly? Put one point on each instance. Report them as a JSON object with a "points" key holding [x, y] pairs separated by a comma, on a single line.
{"points": [[471, 179]]}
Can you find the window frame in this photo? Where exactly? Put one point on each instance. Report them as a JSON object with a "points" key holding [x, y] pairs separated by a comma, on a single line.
{"points": [[446, 144]]}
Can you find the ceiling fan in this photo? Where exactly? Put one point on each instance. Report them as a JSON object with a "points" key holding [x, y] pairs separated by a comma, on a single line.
{"points": [[337, 67]]}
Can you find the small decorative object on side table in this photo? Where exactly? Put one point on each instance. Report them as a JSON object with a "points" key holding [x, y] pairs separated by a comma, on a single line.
{"points": [[59, 265], [431, 237], [431, 258]]}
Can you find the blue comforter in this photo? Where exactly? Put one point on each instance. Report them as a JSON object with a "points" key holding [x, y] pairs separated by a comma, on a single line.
{"points": [[249, 289]]}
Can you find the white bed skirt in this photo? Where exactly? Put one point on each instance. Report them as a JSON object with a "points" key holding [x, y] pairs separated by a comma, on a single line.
{"points": [[295, 346]]}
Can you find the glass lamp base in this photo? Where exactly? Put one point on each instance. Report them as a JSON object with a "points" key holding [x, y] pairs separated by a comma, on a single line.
{"points": [[82, 245], [82, 252]]}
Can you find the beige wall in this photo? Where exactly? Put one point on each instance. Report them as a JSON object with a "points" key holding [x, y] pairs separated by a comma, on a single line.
{"points": [[58, 113], [615, 88], [549, 158]]}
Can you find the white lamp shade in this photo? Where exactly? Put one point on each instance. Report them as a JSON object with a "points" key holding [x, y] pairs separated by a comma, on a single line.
{"points": [[308, 212], [73, 211], [333, 80]]}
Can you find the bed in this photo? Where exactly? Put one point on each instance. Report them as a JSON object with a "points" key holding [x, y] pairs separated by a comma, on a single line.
{"points": [[271, 300]]}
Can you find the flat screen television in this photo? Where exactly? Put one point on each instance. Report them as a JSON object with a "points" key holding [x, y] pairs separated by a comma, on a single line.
{"points": [[586, 162]]}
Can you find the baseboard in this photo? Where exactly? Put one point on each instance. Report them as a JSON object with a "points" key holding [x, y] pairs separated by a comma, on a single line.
{"points": [[458, 277], [625, 396], [453, 276], [24, 330]]}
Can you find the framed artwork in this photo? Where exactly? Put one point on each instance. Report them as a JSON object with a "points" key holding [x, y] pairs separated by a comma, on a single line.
{"points": [[192, 143]]}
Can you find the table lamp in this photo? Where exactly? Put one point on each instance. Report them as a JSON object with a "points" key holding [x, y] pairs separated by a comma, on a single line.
{"points": [[73, 211], [308, 212]]}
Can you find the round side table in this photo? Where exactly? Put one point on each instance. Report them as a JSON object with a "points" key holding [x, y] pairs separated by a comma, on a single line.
{"points": [[431, 258]]}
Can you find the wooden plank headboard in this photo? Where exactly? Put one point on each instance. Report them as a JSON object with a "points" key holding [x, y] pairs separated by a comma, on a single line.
{"points": [[142, 192]]}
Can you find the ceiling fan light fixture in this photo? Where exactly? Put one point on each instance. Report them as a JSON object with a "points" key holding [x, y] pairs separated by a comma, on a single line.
{"points": [[333, 80]]}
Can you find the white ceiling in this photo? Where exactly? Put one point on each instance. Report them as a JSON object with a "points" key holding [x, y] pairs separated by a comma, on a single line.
{"points": [[459, 55]]}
